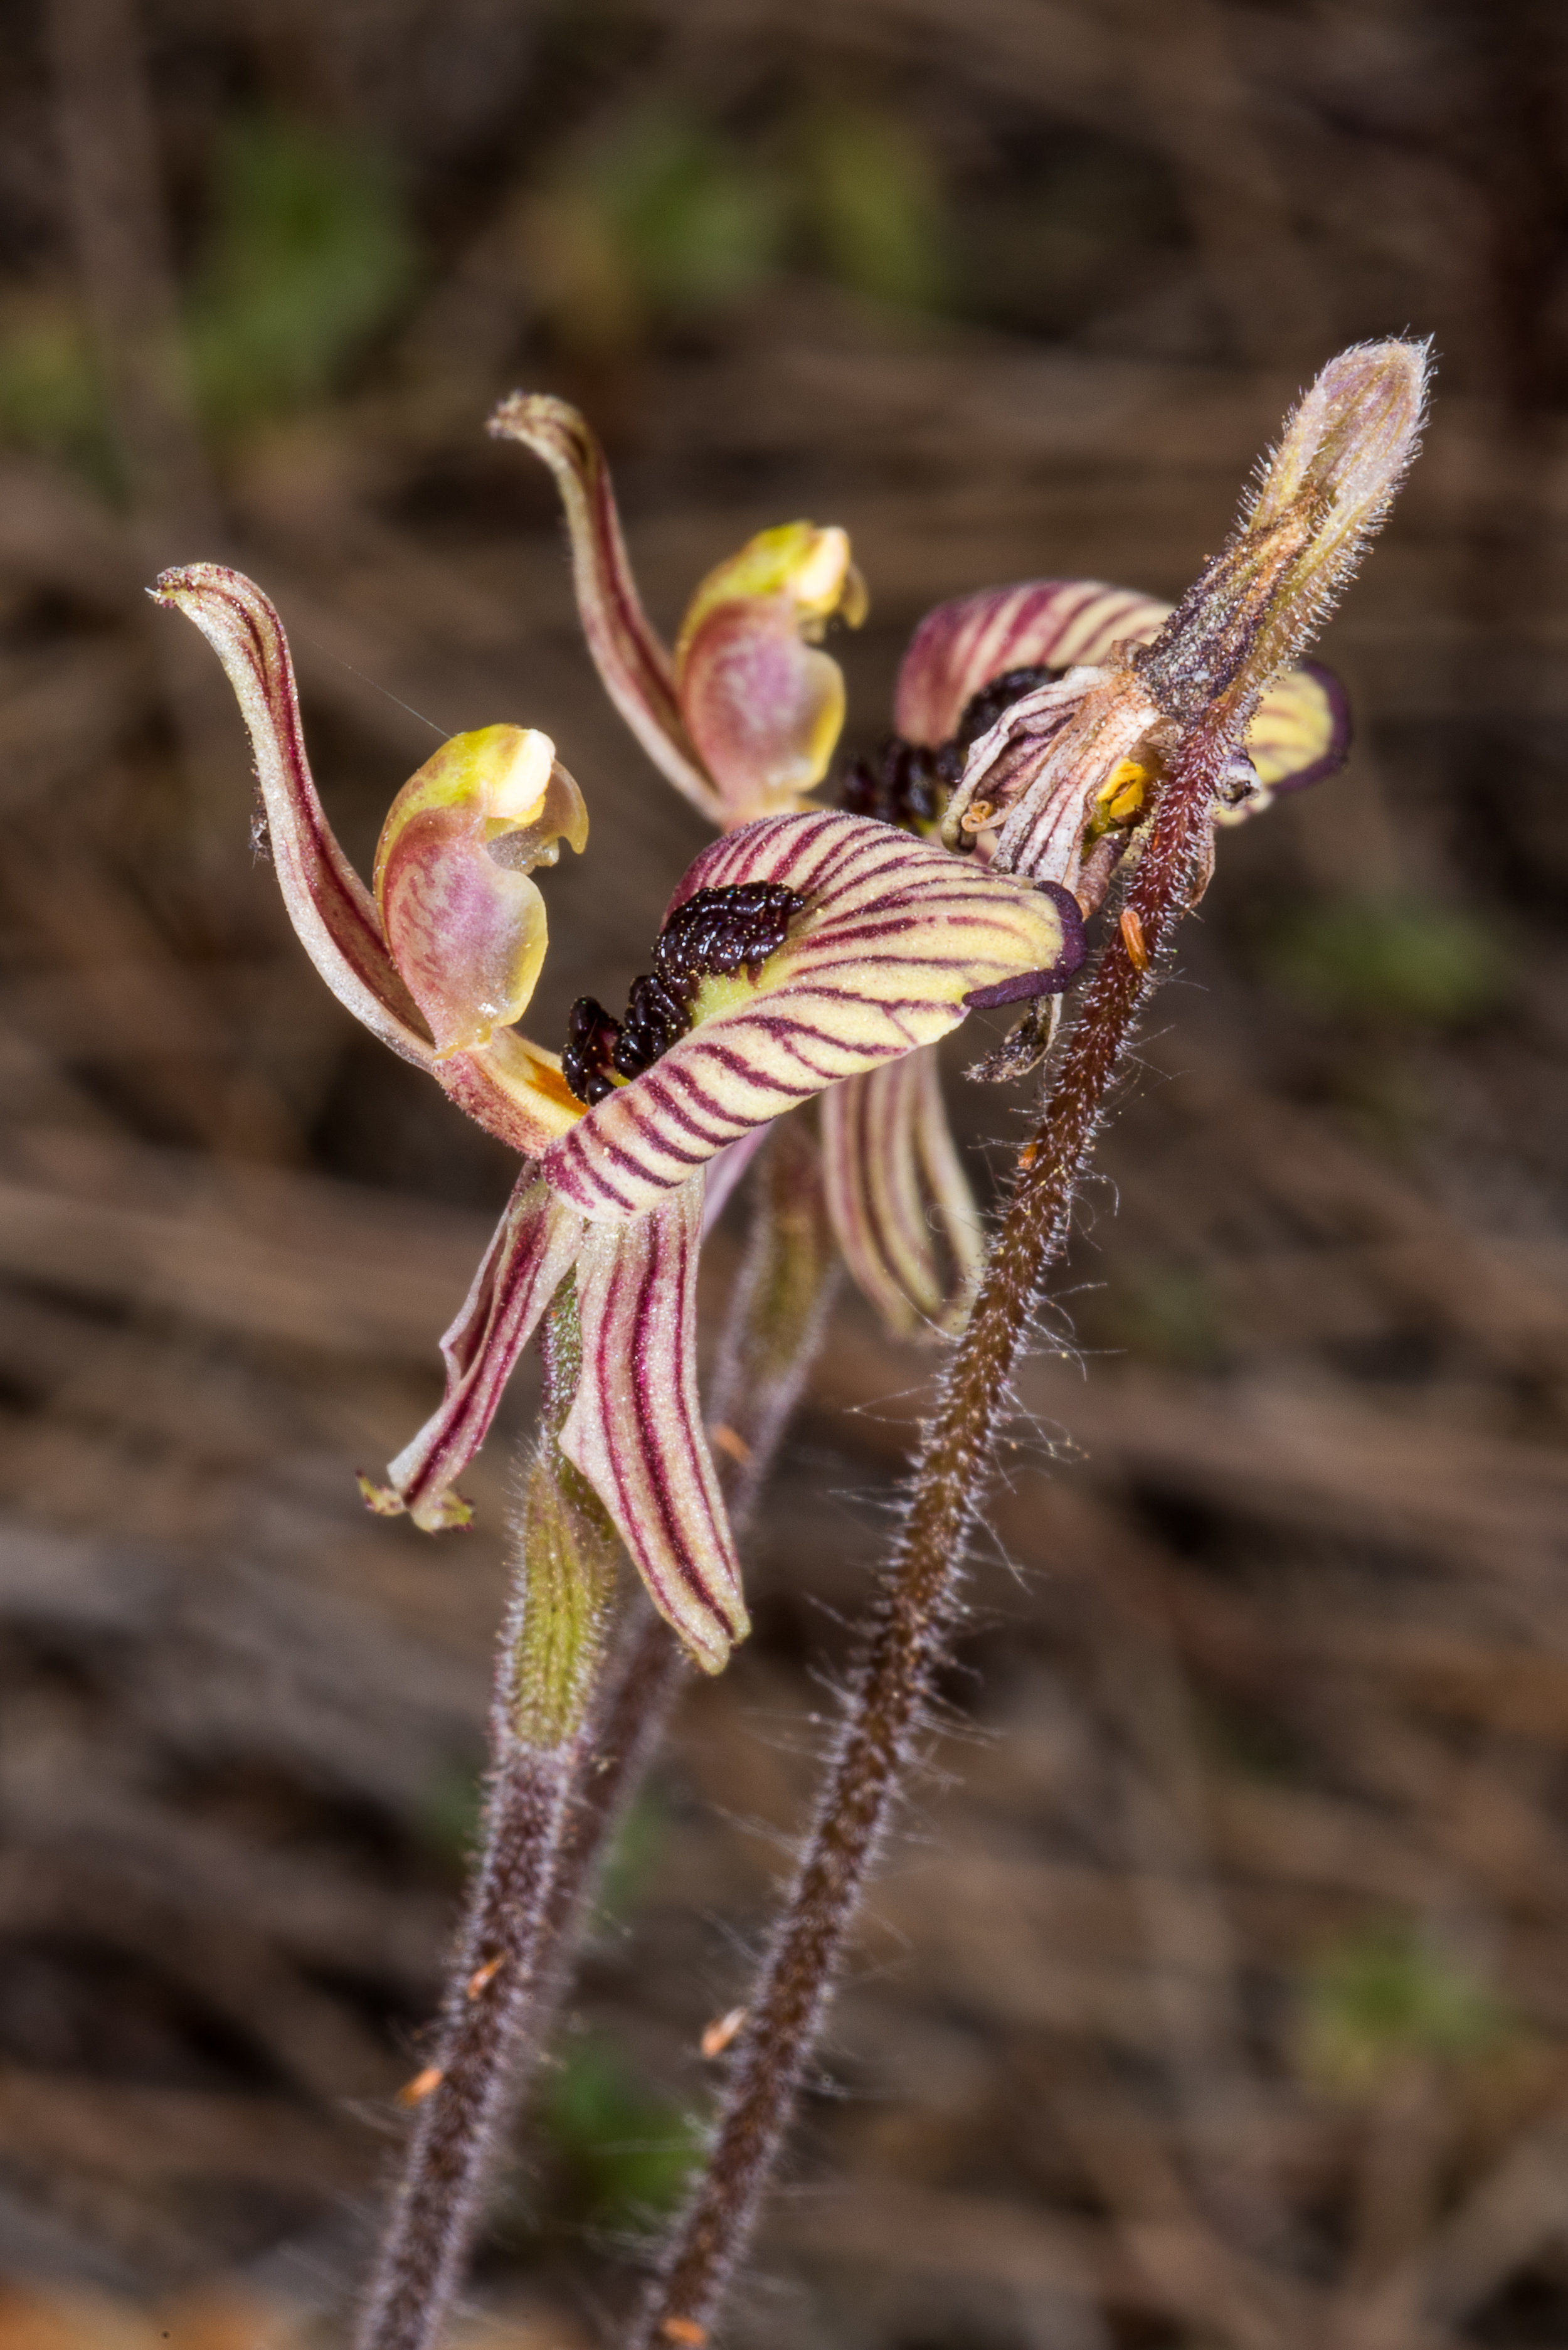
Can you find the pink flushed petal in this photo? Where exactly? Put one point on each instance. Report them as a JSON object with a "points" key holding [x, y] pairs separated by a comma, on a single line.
{"points": [[763, 707], [635, 1429], [635, 668], [962, 645], [468, 933], [535, 1244], [894, 933], [329, 906]]}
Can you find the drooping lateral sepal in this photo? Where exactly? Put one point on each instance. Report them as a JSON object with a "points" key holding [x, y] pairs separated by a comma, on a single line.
{"points": [[893, 936], [636, 1430], [332, 912], [896, 1189], [533, 1249], [778, 1308], [637, 670]]}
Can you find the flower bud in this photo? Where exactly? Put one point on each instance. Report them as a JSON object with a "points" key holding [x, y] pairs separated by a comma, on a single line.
{"points": [[1323, 491]]}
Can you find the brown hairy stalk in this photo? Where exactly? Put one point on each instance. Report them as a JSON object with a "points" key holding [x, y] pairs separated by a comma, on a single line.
{"points": [[554, 1808], [919, 1598]]}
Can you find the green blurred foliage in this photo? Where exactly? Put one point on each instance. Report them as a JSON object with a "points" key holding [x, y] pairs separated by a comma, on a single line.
{"points": [[632, 1861], [51, 399], [309, 251], [669, 218], [665, 218], [621, 2152], [870, 193], [450, 1812], [1387, 1997], [696, 219], [1401, 960]]}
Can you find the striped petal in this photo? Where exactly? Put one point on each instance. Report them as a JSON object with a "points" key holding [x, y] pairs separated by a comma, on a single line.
{"points": [[636, 670], [635, 1429], [895, 1182], [895, 941], [535, 1244], [962, 645], [1300, 733], [762, 705]]}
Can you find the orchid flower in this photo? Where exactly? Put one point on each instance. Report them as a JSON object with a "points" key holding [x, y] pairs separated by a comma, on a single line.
{"points": [[744, 714], [1029, 687], [989, 679], [743, 717], [746, 709], [799, 951]]}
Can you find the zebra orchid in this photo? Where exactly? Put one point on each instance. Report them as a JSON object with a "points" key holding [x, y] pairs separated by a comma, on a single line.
{"points": [[1023, 733], [973, 661], [798, 951], [1035, 722], [743, 715]]}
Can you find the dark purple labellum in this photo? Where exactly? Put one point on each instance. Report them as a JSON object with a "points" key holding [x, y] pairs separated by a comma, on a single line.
{"points": [[1062, 972], [903, 784], [714, 931], [589, 1053], [656, 1016], [983, 709], [710, 935]]}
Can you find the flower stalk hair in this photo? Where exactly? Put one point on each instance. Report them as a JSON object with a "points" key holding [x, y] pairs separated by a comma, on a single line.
{"points": [[1185, 702]]}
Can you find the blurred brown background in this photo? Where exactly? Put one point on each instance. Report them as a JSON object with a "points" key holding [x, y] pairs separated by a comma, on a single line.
{"points": [[1216, 1993]]}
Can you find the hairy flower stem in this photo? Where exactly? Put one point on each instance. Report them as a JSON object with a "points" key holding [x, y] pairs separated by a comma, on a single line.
{"points": [[439, 2205], [919, 1601], [554, 1808], [548, 1669]]}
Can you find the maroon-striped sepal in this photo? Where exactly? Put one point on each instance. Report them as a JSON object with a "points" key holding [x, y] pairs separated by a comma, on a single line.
{"points": [[899, 1201], [533, 1248], [636, 1431]]}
